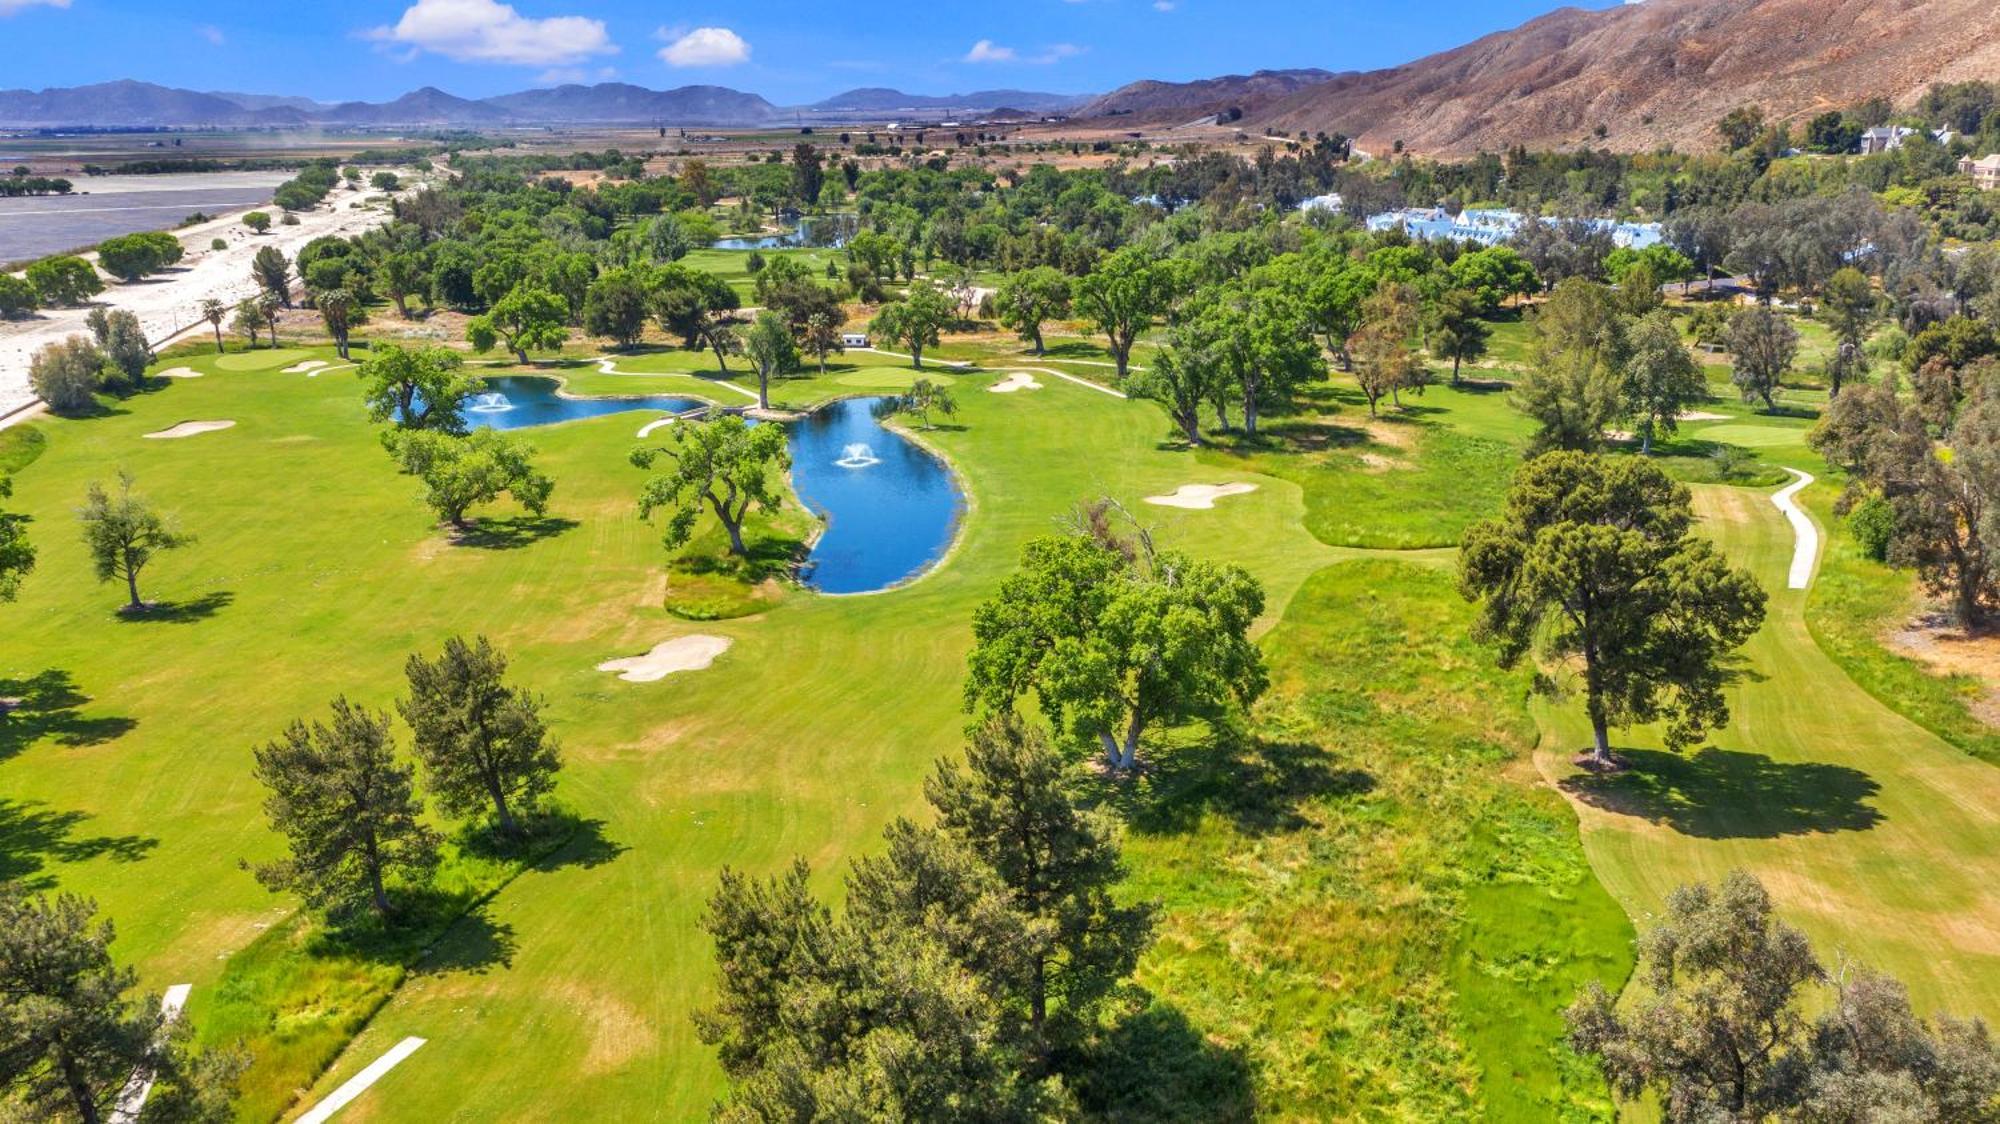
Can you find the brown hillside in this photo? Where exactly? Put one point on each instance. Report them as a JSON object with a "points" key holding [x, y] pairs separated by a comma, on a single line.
{"points": [[1210, 95], [1657, 72]]}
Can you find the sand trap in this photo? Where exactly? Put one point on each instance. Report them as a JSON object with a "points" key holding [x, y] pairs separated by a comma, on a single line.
{"points": [[1702, 415], [1199, 496], [190, 429], [1019, 380], [687, 653], [180, 373], [307, 366]]}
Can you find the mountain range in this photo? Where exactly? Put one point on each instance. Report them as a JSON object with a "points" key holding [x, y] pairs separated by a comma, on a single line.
{"points": [[1654, 73], [130, 103]]}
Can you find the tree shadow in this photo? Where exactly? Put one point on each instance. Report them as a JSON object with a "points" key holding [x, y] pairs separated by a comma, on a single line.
{"points": [[512, 532], [48, 705], [32, 835], [551, 841], [1153, 1064], [181, 612], [1729, 794], [474, 943], [1257, 785]]}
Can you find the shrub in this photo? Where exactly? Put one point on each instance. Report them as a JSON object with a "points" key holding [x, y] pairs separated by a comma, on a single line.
{"points": [[218, 244], [66, 374], [289, 220], [17, 297], [259, 221], [1873, 524], [64, 281]]}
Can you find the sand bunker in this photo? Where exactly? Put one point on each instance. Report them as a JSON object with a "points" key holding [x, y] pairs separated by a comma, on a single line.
{"points": [[1702, 415], [180, 373], [1019, 380], [686, 653], [307, 366], [190, 429], [1199, 496]]}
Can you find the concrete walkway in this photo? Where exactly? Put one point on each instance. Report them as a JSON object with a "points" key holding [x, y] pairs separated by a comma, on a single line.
{"points": [[1805, 549], [359, 1083], [132, 1098]]}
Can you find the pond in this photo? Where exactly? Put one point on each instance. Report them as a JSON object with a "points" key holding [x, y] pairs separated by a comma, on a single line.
{"points": [[890, 508], [521, 401], [821, 231]]}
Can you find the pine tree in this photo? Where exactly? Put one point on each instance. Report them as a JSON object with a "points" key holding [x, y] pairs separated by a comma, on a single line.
{"points": [[481, 741]]}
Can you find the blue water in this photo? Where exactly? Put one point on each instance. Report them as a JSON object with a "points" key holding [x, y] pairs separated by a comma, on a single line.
{"points": [[886, 522], [520, 401], [890, 508], [827, 232]]}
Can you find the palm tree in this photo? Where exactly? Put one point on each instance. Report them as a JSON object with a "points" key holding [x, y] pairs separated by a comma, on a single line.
{"points": [[336, 307], [214, 311]]}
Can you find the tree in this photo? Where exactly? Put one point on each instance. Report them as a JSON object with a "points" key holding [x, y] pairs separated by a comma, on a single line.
{"points": [[1764, 343], [17, 297], [1111, 643], [822, 335], [124, 533], [1031, 297], [215, 312], [69, 1038], [925, 398], [65, 281], [1940, 501], [1593, 567], [417, 388], [528, 317], [129, 257], [249, 319], [348, 811], [1260, 340], [17, 554], [1016, 808], [724, 464], [616, 307], [459, 472], [122, 343], [1383, 358], [1661, 379], [385, 181], [1849, 307], [273, 274], [1181, 379], [1457, 332], [1493, 275], [915, 321], [1722, 1033], [402, 276], [808, 173], [771, 350], [1122, 295], [1573, 387], [481, 741], [337, 309], [66, 374], [258, 221], [698, 306], [1740, 126]]}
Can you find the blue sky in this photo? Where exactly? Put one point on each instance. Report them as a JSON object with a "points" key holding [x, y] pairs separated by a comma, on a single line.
{"points": [[791, 51]]}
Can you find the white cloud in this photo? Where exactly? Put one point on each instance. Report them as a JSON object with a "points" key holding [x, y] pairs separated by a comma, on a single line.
{"points": [[211, 33], [986, 50], [489, 31], [704, 46], [9, 7]]}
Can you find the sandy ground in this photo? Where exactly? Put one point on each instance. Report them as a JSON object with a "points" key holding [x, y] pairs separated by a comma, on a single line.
{"points": [[179, 373], [1197, 497], [308, 366], [170, 304], [1019, 380], [686, 653], [190, 429]]}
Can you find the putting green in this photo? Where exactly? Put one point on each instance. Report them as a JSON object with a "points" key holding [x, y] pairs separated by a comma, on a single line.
{"points": [[1751, 436], [878, 379], [262, 360]]}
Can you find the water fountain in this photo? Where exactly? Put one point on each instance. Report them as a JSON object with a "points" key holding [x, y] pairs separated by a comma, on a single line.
{"points": [[857, 455], [490, 403]]}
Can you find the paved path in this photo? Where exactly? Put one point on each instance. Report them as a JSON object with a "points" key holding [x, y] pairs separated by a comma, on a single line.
{"points": [[1805, 549], [1077, 379], [610, 368], [132, 1098], [359, 1083]]}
